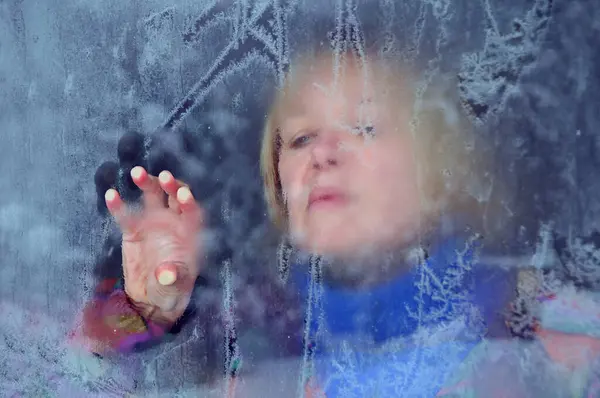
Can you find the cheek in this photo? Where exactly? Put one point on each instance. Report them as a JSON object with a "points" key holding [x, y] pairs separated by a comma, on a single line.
{"points": [[390, 187], [400, 184], [388, 163], [292, 186]]}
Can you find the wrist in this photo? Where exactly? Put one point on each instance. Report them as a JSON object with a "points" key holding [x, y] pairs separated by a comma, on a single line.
{"points": [[154, 314]]}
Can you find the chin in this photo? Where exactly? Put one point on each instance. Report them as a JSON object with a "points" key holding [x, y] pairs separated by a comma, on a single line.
{"points": [[336, 246], [335, 237]]}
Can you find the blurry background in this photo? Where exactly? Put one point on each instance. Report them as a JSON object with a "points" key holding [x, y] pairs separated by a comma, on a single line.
{"points": [[196, 76]]}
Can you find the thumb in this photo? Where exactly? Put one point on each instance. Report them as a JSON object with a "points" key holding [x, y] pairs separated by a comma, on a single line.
{"points": [[170, 287], [166, 274]]}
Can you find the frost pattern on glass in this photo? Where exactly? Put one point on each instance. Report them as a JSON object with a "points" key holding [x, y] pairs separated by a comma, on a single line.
{"points": [[314, 316], [257, 31], [75, 76], [284, 253], [490, 76], [233, 359]]}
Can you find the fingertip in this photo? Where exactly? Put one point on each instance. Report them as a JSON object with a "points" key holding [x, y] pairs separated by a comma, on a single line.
{"points": [[113, 201], [166, 275], [111, 195], [137, 173], [164, 177], [184, 195]]}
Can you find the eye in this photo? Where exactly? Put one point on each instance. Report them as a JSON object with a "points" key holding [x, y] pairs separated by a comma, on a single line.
{"points": [[301, 140]]}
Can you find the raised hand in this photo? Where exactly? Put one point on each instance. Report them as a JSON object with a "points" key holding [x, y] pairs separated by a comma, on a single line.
{"points": [[161, 245]]}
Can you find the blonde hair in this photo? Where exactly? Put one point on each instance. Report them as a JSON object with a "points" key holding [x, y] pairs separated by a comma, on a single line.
{"points": [[443, 139]]}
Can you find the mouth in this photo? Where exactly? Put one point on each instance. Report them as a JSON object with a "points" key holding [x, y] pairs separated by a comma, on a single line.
{"points": [[326, 197]]}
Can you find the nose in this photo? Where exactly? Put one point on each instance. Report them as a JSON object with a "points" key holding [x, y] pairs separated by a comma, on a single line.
{"points": [[326, 151]]}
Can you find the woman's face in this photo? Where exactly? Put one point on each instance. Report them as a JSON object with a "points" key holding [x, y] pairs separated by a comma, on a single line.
{"points": [[346, 166]]}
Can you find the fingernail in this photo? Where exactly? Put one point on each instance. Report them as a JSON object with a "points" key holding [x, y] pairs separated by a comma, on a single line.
{"points": [[184, 194], [164, 176], [110, 195], [167, 277], [136, 172]]}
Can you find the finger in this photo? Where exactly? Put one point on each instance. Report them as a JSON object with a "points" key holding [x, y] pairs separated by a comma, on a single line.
{"points": [[118, 210], [174, 204], [190, 211], [154, 196], [129, 191], [105, 178], [170, 185]]}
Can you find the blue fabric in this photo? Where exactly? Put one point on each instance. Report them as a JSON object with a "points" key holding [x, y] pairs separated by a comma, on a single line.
{"points": [[442, 290]]}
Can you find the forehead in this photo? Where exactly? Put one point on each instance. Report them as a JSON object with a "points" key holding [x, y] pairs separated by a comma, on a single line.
{"points": [[350, 81], [318, 89]]}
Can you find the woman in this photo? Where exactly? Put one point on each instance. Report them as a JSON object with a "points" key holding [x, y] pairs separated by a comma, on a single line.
{"points": [[374, 198]]}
